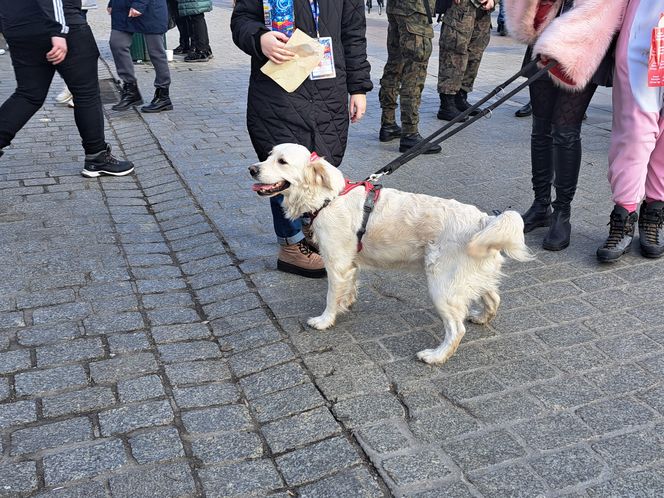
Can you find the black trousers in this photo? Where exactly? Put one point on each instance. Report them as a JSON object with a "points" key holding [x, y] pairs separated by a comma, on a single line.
{"points": [[33, 79], [182, 22], [199, 33]]}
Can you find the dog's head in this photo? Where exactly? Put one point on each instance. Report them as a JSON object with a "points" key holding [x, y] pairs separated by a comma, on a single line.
{"points": [[304, 179]]}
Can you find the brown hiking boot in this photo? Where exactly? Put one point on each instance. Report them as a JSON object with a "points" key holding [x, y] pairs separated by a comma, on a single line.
{"points": [[301, 259]]}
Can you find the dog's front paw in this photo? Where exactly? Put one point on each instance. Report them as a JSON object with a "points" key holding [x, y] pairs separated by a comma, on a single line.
{"points": [[432, 356], [321, 322]]}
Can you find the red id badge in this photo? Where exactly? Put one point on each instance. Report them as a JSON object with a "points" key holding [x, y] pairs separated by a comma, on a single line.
{"points": [[656, 59]]}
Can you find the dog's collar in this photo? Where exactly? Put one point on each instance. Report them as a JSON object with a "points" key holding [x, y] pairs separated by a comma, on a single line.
{"points": [[372, 193]]}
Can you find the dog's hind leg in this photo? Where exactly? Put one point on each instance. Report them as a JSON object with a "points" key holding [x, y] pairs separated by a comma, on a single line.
{"points": [[348, 294], [490, 301], [339, 281]]}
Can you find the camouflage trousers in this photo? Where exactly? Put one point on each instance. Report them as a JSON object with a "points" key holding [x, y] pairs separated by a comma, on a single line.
{"points": [[408, 50], [465, 34]]}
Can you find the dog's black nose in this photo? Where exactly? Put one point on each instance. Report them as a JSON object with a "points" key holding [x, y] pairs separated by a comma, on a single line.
{"points": [[253, 170]]}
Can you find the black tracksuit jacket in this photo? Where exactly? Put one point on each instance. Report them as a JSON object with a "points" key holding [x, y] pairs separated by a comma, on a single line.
{"points": [[29, 18]]}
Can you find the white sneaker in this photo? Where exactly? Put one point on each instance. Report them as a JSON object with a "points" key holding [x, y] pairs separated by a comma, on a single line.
{"points": [[2, 51], [64, 96], [70, 103]]}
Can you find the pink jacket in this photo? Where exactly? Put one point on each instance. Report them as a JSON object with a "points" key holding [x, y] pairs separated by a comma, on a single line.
{"points": [[577, 39]]}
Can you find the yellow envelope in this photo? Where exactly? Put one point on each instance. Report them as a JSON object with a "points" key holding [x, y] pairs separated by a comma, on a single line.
{"points": [[308, 54]]}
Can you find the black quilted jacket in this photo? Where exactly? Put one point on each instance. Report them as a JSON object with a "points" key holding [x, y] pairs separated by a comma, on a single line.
{"points": [[316, 114]]}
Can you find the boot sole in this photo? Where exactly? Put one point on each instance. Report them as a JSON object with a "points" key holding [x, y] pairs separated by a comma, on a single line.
{"points": [[388, 139], [95, 174], [152, 111], [650, 255], [124, 108], [442, 118], [550, 247], [428, 151], [530, 228], [303, 272], [609, 259]]}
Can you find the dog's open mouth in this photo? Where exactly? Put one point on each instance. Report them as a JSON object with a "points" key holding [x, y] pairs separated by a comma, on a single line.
{"points": [[270, 188]]}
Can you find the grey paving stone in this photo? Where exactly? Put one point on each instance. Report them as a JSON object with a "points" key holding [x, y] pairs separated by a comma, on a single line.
{"points": [[128, 342], [221, 419], [44, 298], [18, 478], [172, 480], [88, 399], [240, 479], [288, 402], [184, 332], [520, 372], [123, 367], [455, 489], [175, 298], [255, 360], [654, 397], [577, 358], [416, 467], [615, 414], [13, 361], [317, 460], [156, 445], [36, 382], [17, 413], [351, 381], [70, 351], [364, 410], [61, 313], [83, 462], [441, 423], [566, 335], [117, 322], [568, 467], [469, 385], [251, 338], [140, 389], [189, 351], [628, 345], [273, 379], [640, 484], [635, 449], [356, 482], [231, 306], [228, 447], [514, 480], [384, 437], [4, 388], [609, 324], [553, 431], [168, 316], [304, 428], [50, 435], [207, 265], [406, 345], [130, 417], [622, 379], [12, 319], [196, 372], [566, 393], [421, 397], [502, 407], [90, 489], [483, 450], [206, 395]]}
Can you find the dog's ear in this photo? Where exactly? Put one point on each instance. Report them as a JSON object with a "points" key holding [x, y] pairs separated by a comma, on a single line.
{"points": [[316, 174]]}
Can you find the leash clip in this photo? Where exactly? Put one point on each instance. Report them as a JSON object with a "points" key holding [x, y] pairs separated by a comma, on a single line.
{"points": [[375, 176]]}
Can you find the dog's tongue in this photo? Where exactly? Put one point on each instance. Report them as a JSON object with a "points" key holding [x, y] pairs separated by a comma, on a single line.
{"points": [[257, 187]]}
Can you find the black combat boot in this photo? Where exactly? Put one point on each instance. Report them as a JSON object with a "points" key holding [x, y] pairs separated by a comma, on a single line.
{"points": [[541, 158], [160, 102], [389, 132], [104, 163], [448, 109], [566, 163], [621, 234], [411, 140], [524, 111], [461, 101], [651, 229], [130, 96]]}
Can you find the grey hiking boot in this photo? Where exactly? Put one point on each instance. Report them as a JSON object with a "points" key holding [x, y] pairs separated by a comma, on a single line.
{"points": [[621, 234], [651, 229]]}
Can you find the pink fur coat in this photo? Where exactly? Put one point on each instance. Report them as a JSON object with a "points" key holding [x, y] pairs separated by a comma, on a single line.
{"points": [[577, 39]]}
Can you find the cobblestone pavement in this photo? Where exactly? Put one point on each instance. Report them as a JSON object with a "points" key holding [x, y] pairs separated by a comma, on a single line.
{"points": [[149, 348]]}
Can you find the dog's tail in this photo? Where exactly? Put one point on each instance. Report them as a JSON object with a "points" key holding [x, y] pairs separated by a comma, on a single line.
{"points": [[503, 233]]}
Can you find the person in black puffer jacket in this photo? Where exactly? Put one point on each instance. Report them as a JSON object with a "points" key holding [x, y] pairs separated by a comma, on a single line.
{"points": [[194, 12], [316, 115]]}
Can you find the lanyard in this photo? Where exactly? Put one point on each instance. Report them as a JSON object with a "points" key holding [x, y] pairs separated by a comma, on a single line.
{"points": [[315, 11]]}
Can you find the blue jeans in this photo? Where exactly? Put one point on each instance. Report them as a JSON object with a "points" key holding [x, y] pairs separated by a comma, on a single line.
{"points": [[288, 232], [501, 12]]}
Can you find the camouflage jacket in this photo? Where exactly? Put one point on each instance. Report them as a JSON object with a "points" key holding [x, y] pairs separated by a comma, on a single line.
{"points": [[408, 7]]}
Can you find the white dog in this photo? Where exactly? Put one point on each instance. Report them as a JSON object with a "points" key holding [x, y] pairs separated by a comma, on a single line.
{"points": [[458, 246]]}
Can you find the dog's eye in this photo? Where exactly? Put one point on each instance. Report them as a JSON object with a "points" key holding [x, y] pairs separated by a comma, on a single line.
{"points": [[281, 160]]}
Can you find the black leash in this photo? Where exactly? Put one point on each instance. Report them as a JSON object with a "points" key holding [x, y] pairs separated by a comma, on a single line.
{"points": [[435, 138]]}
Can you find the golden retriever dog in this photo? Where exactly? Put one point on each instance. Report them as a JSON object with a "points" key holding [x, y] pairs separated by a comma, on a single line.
{"points": [[459, 248]]}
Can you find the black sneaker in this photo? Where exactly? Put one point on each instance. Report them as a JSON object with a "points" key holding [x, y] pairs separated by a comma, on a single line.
{"points": [[409, 141], [180, 50], [195, 56], [651, 229], [621, 234], [104, 163], [389, 132]]}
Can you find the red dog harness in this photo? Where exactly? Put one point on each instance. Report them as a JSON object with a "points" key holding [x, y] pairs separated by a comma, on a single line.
{"points": [[372, 193]]}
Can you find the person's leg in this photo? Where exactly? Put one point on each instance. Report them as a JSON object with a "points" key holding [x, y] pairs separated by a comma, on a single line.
{"points": [[200, 43], [390, 83], [162, 81], [455, 36], [566, 138], [33, 79], [182, 22], [120, 43], [479, 40]]}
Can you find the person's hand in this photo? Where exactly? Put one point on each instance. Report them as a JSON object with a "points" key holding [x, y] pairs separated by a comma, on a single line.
{"points": [[357, 107], [488, 5], [134, 13], [59, 51], [272, 46]]}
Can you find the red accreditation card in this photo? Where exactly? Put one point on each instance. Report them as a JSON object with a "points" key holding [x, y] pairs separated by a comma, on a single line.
{"points": [[656, 59]]}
